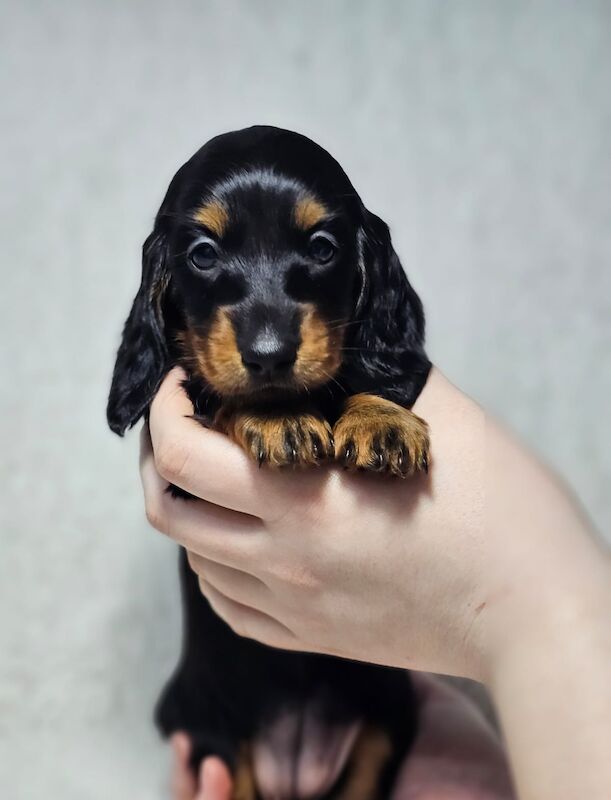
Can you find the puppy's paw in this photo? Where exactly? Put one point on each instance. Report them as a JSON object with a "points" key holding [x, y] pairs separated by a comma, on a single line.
{"points": [[377, 435], [279, 440]]}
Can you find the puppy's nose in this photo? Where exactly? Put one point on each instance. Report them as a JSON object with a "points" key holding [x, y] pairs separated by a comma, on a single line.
{"points": [[269, 356]]}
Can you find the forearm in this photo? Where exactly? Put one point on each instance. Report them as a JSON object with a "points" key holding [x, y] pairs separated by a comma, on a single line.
{"points": [[553, 696], [549, 631]]}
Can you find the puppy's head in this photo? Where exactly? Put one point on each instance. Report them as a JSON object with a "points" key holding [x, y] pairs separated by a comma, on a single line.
{"points": [[261, 259]]}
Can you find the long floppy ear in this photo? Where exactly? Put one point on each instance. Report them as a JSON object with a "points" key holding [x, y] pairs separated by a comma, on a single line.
{"points": [[142, 359], [388, 358], [389, 310]]}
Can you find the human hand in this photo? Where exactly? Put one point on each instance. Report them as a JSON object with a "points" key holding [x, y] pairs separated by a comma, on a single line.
{"points": [[355, 565], [212, 782]]}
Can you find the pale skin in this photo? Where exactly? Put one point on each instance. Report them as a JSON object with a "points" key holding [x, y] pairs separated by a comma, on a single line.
{"points": [[486, 568]]}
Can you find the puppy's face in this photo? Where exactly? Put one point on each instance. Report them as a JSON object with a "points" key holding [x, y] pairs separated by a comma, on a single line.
{"points": [[265, 271], [264, 274]]}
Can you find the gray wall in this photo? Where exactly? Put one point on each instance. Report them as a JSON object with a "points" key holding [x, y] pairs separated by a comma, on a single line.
{"points": [[479, 130]]}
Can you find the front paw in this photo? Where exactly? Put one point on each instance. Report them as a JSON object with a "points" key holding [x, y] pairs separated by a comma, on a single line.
{"points": [[279, 440], [378, 435]]}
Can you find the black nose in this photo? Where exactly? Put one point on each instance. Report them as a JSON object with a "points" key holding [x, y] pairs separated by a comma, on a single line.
{"points": [[268, 356]]}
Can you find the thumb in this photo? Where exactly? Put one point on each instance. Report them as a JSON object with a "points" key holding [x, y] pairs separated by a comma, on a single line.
{"points": [[183, 785]]}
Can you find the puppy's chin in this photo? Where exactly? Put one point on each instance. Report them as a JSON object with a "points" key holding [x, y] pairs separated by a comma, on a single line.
{"points": [[272, 392]]}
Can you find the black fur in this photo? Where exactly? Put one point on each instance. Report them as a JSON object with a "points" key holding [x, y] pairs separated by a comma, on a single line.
{"points": [[142, 360], [225, 687]]}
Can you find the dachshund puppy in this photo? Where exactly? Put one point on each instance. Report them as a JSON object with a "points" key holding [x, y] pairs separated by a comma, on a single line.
{"points": [[280, 294]]}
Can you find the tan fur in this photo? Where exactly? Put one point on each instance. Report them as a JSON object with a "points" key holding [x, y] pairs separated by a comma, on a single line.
{"points": [[214, 216], [276, 439], [376, 434], [319, 355], [309, 212], [370, 755], [244, 778], [215, 355]]}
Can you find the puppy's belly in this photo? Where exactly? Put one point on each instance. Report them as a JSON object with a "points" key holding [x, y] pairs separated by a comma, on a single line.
{"points": [[300, 755]]}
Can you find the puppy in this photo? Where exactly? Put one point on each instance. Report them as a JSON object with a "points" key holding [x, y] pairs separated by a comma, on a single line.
{"points": [[281, 295]]}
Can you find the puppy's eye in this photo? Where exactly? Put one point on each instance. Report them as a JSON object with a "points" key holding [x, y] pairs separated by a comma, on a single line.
{"points": [[204, 255], [321, 248]]}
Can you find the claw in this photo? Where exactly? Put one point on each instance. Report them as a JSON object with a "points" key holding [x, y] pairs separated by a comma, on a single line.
{"points": [[404, 464], [329, 451], [316, 446]]}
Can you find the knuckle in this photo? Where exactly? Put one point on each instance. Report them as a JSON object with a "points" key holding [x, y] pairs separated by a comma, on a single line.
{"points": [[195, 563], [154, 513], [170, 460], [299, 578], [238, 626]]}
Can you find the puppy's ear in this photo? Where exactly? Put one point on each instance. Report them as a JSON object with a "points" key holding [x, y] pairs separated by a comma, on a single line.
{"points": [[142, 360], [390, 310]]}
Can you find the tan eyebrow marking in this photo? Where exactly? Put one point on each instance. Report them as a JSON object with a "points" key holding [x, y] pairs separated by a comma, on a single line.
{"points": [[212, 215], [309, 212]]}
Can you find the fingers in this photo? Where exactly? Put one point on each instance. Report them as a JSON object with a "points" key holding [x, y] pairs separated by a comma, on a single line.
{"points": [[183, 784], [233, 583], [215, 781], [200, 461], [203, 528], [249, 622]]}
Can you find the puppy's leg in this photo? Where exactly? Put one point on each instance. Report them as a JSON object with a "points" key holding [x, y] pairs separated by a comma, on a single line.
{"points": [[277, 438], [244, 787], [365, 771], [204, 696], [378, 435]]}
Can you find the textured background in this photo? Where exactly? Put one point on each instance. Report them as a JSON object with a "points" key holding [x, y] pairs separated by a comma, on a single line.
{"points": [[479, 130]]}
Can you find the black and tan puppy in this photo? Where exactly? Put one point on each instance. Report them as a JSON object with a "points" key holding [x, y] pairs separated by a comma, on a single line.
{"points": [[269, 281]]}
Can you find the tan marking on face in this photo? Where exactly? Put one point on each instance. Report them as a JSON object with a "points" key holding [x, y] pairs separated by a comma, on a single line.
{"points": [[215, 356], [214, 216], [319, 355], [309, 212]]}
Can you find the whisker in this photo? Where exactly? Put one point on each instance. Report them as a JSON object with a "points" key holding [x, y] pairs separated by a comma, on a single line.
{"points": [[363, 349], [346, 324], [331, 378]]}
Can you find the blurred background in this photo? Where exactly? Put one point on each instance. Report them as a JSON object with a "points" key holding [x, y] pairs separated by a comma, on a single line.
{"points": [[479, 130]]}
